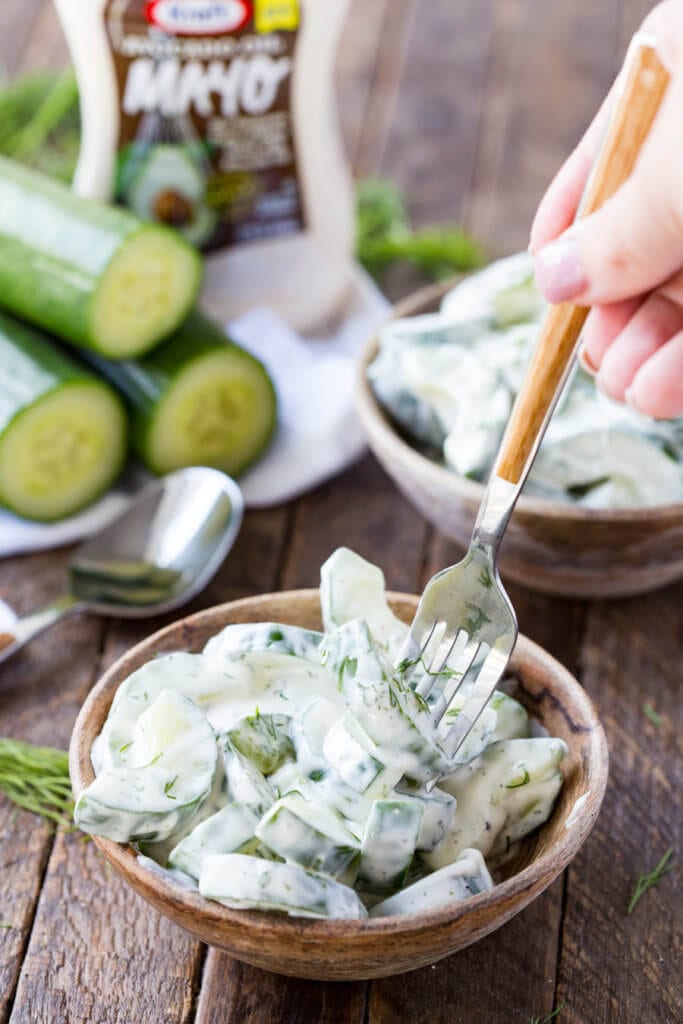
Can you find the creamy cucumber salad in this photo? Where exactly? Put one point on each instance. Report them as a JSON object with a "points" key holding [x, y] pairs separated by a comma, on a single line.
{"points": [[449, 380], [288, 770]]}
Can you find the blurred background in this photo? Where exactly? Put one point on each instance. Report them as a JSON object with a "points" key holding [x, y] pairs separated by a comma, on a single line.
{"points": [[468, 107]]}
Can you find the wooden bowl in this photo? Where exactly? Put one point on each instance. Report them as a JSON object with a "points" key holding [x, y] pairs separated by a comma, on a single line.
{"points": [[344, 950], [550, 546]]}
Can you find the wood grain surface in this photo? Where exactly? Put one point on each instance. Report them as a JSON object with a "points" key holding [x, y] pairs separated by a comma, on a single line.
{"points": [[471, 107]]}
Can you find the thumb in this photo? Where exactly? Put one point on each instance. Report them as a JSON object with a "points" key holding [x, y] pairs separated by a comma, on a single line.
{"points": [[632, 243]]}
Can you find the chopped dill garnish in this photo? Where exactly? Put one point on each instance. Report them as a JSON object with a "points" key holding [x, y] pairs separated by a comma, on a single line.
{"points": [[168, 786], [549, 1016], [652, 714], [646, 882]]}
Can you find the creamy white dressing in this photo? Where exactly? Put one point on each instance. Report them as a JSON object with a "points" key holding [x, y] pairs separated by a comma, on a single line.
{"points": [[449, 380], [304, 782]]}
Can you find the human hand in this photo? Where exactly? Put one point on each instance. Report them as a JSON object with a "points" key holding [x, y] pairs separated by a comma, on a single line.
{"points": [[626, 260]]}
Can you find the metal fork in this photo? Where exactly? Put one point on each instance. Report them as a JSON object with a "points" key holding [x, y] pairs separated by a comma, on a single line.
{"points": [[465, 627]]}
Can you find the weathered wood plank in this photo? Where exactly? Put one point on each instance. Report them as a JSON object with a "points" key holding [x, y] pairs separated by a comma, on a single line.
{"points": [[431, 136], [232, 991], [40, 692], [614, 966], [358, 56], [390, 533], [46, 45], [494, 980], [16, 25], [549, 69], [96, 950]]}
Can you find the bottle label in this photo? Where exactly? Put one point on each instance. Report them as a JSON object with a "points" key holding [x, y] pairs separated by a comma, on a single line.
{"points": [[205, 134]]}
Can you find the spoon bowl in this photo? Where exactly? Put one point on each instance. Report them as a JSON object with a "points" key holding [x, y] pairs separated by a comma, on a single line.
{"points": [[154, 556]]}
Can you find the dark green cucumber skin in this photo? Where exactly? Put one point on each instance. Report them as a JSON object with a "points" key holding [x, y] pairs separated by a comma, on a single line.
{"points": [[144, 382], [33, 366], [55, 247]]}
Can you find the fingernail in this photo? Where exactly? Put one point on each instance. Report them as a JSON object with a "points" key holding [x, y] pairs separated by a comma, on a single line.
{"points": [[630, 399], [606, 390], [559, 272], [586, 364]]}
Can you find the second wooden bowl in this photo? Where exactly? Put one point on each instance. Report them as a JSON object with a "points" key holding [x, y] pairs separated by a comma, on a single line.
{"points": [[344, 950], [550, 546]]}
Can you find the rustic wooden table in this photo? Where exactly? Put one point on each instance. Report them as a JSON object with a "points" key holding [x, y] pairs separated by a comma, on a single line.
{"points": [[470, 105]]}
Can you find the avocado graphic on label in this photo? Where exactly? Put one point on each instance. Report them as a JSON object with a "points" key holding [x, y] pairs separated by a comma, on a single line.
{"points": [[163, 177]]}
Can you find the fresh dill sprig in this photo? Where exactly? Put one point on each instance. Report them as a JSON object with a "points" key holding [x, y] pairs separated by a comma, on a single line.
{"points": [[384, 236], [549, 1016], [37, 779], [652, 714], [646, 882]]}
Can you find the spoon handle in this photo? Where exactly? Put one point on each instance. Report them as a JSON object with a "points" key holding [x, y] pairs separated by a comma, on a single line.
{"points": [[14, 635], [645, 82]]}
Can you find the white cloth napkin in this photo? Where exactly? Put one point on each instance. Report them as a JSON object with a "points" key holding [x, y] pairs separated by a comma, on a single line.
{"points": [[318, 434]]}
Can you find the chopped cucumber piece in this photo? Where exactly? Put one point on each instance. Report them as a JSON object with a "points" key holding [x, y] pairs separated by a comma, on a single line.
{"points": [[351, 588], [263, 740], [249, 883], [196, 400], [230, 830], [512, 721], [62, 431], [389, 844], [246, 784], [439, 809], [185, 673], [309, 834], [503, 794], [173, 760], [263, 636], [348, 748], [518, 303], [395, 718], [466, 877]]}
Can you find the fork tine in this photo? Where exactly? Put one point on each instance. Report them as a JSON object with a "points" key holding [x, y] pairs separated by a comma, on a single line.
{"points": [[486, 680], [462, 672], [415, 645], [440, 658]]}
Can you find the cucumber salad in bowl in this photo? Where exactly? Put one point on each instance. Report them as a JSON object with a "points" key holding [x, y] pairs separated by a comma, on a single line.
{"points": [[289, 770], [448, 380]]}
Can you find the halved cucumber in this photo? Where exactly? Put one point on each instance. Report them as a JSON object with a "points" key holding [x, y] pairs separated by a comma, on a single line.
{"points": [[62, 431], [198, 399], [95, 275]]}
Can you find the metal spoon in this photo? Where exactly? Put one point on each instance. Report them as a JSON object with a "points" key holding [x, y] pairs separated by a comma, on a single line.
{"points": [[155, 556]]}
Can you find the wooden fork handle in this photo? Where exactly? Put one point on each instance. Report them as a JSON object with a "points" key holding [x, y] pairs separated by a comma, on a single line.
{"points": [[646, 80]]}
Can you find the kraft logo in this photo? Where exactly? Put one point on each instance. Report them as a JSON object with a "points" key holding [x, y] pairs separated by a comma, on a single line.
{"points": [[198, 17]]}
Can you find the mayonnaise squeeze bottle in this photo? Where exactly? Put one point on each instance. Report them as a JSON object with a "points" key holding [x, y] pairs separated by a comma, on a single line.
{"points": [[218, 117]]}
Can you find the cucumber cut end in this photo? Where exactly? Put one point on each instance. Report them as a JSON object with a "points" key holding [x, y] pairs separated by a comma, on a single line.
{"points": [[60, 454], [146, 292], [220, 411]]}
